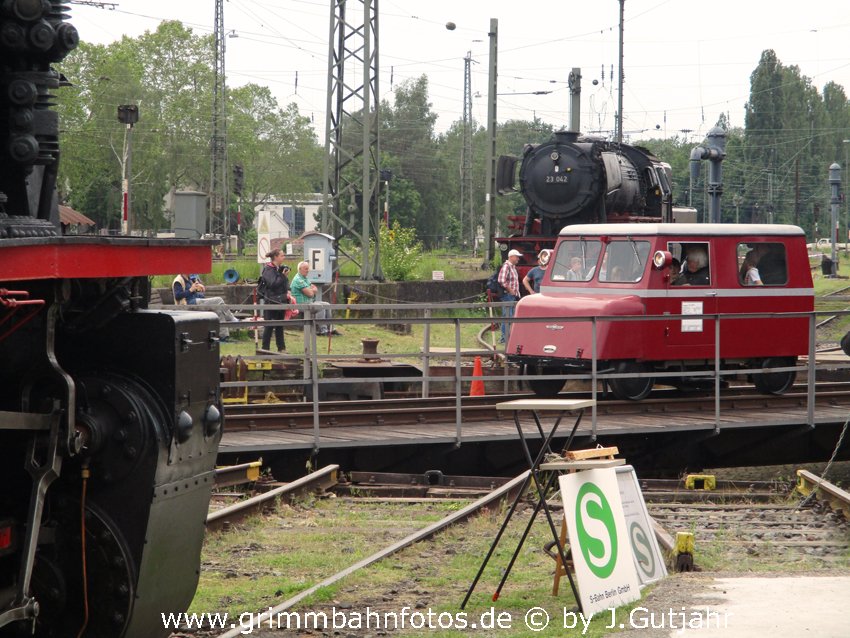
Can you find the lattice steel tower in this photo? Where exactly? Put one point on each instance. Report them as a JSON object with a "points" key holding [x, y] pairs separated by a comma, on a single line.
{"points": [[466, 153], [351, 133], [218, 222]]}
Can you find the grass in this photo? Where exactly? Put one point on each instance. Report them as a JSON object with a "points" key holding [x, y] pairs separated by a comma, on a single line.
{"points": [[257, 567], [265, 561], [454, 267], [442, 335], [248, 268], [837, 328]]}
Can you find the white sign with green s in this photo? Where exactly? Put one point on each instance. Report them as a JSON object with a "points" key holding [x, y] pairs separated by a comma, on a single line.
{"points": [[649, 560], [601, 550]]}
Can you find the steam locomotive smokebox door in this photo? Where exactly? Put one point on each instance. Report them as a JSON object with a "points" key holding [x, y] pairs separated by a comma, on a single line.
{"points": [[158, 459]]}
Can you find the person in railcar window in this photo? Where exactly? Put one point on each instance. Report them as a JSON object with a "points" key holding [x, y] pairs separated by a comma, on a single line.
{"points": [[573, 258], [751, 276], [575, 273], [675, 271], [695, 272], [772, 264]]}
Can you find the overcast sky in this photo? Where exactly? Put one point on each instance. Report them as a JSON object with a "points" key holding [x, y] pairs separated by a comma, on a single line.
{"points": [[685, 62]]}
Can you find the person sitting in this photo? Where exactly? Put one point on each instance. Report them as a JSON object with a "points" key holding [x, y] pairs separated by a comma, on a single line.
{"points": [[771, 263], [675, 271], [305, 293], [750, 274], [189, 290], [695, 272], [574, 273]]}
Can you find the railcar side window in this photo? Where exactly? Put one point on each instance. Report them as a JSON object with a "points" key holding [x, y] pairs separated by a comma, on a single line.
{"points": [[624, 261], [690, 264], [576, 260], [762, 264]]}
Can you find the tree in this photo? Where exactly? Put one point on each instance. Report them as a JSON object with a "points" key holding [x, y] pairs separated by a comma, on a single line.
{"points": [[408, 135], [276, 147], [784, 144], [168, 73]]}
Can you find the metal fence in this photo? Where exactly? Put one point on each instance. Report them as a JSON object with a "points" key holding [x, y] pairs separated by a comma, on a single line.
{"points": [[429, 315]]}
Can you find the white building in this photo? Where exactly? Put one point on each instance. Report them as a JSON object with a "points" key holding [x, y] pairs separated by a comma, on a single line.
{"points": [[288, 218]]}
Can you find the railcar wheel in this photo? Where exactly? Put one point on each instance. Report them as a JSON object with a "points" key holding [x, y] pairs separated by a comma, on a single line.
{"points": [[631, 389], [775, 382], [544, 388]]}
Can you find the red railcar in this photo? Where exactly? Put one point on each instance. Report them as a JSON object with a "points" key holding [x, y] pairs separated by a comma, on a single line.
{"points": [[668, 271]]}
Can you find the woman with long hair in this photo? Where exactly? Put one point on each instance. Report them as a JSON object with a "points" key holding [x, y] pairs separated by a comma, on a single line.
{"points": [[275, 291]]}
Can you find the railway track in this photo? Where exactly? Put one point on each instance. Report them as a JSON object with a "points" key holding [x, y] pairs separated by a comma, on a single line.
{"points": [[751, 523], [745, 520], [281, 416]]}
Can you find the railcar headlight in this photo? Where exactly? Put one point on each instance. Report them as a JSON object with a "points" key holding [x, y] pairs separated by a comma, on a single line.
{"points": [[662, 259]]}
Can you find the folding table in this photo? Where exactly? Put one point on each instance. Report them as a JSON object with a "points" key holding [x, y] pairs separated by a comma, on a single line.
{"points": [[535, 406]]}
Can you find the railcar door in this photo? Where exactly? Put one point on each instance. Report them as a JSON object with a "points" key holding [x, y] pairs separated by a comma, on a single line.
{"points": [[691, 291], [764, 283]]}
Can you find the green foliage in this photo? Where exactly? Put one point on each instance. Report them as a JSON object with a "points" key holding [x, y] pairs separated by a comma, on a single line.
{"points": [[431, 262], [168, 74], [400, 252], [408, 136], [789, 144]]}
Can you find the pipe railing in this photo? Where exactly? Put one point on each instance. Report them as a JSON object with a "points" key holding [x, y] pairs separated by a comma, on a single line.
{"points": [[313, 357]]}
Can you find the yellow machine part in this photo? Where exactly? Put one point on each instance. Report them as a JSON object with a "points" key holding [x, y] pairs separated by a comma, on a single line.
{"points": [[700, 482]]}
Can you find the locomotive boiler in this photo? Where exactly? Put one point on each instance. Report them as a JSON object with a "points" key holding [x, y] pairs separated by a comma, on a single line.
{"points": [[573, 179], [110, 413]]}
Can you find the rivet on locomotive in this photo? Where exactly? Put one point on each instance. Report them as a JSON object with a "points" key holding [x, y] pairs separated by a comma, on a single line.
{"points": [[110, 413]]}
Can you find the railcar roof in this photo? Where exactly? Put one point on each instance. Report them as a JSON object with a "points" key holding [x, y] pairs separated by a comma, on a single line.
{"points": [[713, 230]]}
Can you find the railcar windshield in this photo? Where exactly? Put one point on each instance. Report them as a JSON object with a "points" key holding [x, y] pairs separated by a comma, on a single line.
{"points": [[576, 260], [624, 261]]}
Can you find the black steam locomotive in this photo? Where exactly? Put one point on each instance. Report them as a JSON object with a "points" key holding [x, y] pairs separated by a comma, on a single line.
{"points": [[579, 180], [110, 413]]}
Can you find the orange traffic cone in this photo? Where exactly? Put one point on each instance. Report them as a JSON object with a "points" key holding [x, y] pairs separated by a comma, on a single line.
{"points": [[476, 388]]}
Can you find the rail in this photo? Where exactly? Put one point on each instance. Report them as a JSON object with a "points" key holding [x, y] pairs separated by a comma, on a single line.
{"points": [[429, 315], [492, 500], [319, 480], [230, 475], [838, 499]]}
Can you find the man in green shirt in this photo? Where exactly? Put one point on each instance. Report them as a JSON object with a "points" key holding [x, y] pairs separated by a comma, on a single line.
{"points": [[305, 292]]}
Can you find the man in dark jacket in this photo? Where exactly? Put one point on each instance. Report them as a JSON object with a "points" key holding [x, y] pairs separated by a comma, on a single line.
{"points": [[275, 291]]}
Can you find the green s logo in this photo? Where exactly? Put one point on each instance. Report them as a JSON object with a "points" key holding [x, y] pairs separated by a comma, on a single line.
{"points": [[597, 533], [642, 549]]}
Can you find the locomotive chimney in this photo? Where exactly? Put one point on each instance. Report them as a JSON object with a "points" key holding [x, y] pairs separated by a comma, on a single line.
{"points": [[566, 137]]}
